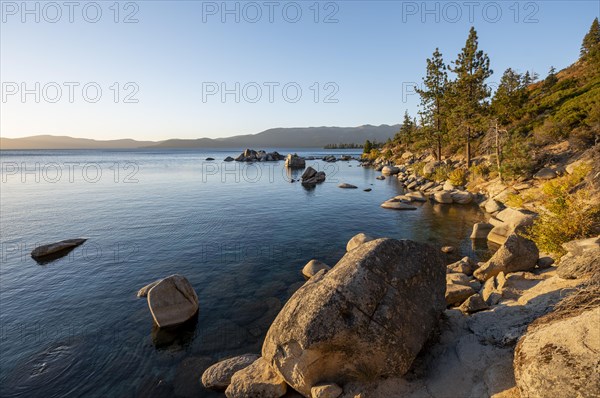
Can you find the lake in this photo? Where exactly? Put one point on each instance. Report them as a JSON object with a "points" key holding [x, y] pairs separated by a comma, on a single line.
{"points": [[239, 232]]}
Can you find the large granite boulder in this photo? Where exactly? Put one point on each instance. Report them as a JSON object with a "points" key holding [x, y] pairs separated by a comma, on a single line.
{"points": [[516, 254], [507, 222], [429, 167], [218, 376], [461, 197], [294, 161], [390, 170], [256, 380], [171, 300], [559, 357], [367, 317], [443, 197]]}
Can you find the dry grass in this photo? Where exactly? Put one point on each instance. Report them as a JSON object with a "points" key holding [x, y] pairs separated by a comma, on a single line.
{"points": [[585, 298]]}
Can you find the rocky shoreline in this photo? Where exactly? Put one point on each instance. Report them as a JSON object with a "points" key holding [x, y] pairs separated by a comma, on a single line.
{"points": [[390, 319], [394, 319]]}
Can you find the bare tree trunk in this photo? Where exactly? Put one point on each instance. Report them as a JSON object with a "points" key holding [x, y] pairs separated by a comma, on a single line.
{"points": [[469, 147], [439, 147], [498, 153]]}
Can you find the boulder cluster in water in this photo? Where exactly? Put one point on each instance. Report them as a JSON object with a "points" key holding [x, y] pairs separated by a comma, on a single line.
{"points": [[312, 176], [250, 155]]}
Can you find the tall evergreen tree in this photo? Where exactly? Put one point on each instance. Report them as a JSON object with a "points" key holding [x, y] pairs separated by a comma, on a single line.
{"points": [[529, 78], [591, 41], [551, 79], [469, 91], [367, 147], [405, 135], [433, 96], [508, 101]]}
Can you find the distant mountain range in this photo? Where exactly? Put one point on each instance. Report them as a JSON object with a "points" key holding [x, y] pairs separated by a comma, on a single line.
{"points": [[296, 137], [63, 142]]}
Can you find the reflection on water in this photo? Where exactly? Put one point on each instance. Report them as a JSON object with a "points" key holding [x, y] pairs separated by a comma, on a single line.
{"points": [[179, 335], [77, 328]]}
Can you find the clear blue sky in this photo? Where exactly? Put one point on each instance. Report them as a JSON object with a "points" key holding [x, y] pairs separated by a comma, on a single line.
{"points": [[180, 49]]}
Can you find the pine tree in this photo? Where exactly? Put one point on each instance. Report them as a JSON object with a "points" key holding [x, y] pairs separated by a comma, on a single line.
{"points": [[433, 98], [591, 41], [469, 92], [551, 79], [405, 134], [509, 99], [529, 78], [367, 147]]}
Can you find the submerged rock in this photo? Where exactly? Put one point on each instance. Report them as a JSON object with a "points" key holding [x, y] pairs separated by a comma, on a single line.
{"points": [[397, 205], [345, 185], [55, 248], [171, 300], [448, 249], [370, 315]]}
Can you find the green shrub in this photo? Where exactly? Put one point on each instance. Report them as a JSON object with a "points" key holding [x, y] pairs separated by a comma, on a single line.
{"points": [[514, 200], [565, 215], [481, 170], [458, 177], [441, 172], [372, 155], [418, 168]]}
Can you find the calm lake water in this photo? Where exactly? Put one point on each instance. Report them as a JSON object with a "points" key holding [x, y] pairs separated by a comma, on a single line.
{"points": [[240, 233]]}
